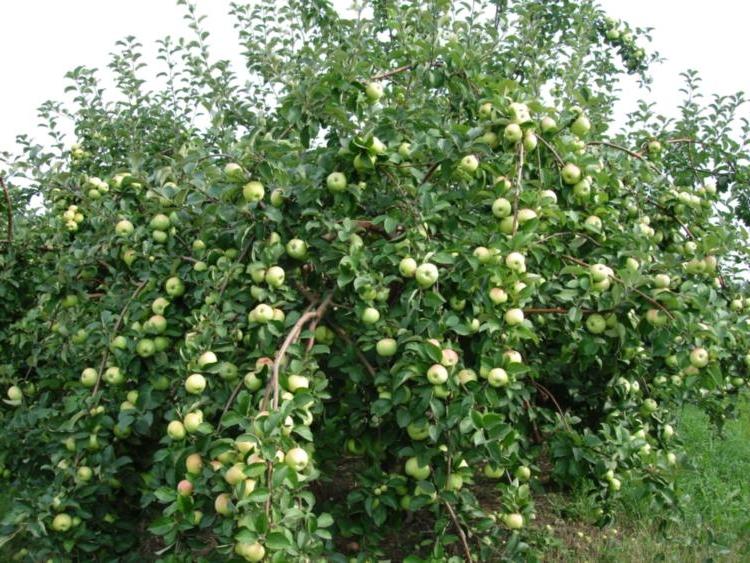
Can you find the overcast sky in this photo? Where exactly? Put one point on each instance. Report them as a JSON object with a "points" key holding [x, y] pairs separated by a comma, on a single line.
{"points": [[42, 39]]}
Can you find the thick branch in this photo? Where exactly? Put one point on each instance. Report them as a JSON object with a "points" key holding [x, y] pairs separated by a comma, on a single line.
{"points": [[9, 211]]}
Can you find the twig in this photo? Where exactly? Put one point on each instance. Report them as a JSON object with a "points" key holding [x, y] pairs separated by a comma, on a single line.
{"points": [[9, 211], [231, 399], [391, 72], [461, 532], [117, 326], [240, 258], [619, 280], [549, 394], [517, 196], [362, 358], [429, 173], [634, 154], [558, 158]]}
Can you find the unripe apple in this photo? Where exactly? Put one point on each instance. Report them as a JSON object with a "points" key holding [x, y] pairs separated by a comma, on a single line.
{"points": [[426, 275], [523, 473], [525, 215], [498, 377], [418, 430], [454, 482], [253, 192], [374, 91], [599, 272], [195, 384], [671, 458], [530, 141], [489, 138], [571, 174], [89, 377], [493, 472], [649, 406], [513, 133], [615, 484], [514, 317], [482, 254], [194, 464], [192, 421], [437, 374], [174, 287], [124, 228], [404, 150], [593, 223], [699, 358], [206, 359], [498, 296], [296, 249], [469, 164], [413, 469], [655, 317], [176, 430], [654, 148], [377, 146], [596, 324], [159, 222], [386, 347], [84, 474], [184, 488], [62, 522], [114, 376], [548, 125], [234, 172], [370, 316], [513, 521], [449, 358], [501, 207], [250, 551], [485, 110], [296, 382], [632, 265], [297, 459], [581, 126], [519, 113], [336, 182], [235, 474], [516, 262], [661, 281], [223, 504], [513, 357]]}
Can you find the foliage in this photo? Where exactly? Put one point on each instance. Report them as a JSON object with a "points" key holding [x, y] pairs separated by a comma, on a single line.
{"points": [[197, 233]]}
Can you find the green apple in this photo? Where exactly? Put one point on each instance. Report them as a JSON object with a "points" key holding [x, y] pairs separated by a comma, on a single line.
{"points": [[581, 126], [656, 317], [523, 473], [514, 317], [84, 474], [374, 91], [156, 324], [519, 113], [275, 276], [370, 316], [297, 459], [498, 377], [235, 474], [649, 406], [498, 296], [513, 133], [530, 141], [513, 521], [516, 262], [89, 377], [466, 375], [469, 163], [501, 207], [296, 382], [632, 265], [485, 110], [571, 174], [253, 192], [69, 301], [548, 125], [192, 421], [124, 228], [206, 359], [252, 552], [159, 305], [418, 430], [449, 358], [62, 522], [114, 376], [493, 472], [159, 237], [699, 357], [296, 249], [599, 272], [145, 348], [234, 172], [482, 254], [454, 482], [377, 146], [364, 162], [413, 469], [596, 324], [195, 384], [489, 138], [593, 223], [404, 150], [159, 222], [437, 374], [175, 430], [427, 275], [174, 287], [386, 347], [336, 182]]}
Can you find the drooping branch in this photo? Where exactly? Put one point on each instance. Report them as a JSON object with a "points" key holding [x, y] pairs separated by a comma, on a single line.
{"points": [[558, 158], [620, 281], [461, 533], [517, 195], [117, 326], [9, 211]]}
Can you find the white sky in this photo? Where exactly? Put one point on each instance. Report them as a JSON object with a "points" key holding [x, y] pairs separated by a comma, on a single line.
{"points": [[40, 40]]}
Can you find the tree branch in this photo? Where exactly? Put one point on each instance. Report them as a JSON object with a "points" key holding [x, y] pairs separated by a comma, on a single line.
{"points": [[558, 158], [461, 533], [429, 173], [362, 358], [117, 326], [517, 195], [9, 240]]}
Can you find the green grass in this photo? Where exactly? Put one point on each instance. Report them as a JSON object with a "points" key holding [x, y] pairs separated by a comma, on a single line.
{"points": [[714, 489]]}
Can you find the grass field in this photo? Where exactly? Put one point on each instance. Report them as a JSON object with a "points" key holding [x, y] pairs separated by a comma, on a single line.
{"points": [[714, 488]]}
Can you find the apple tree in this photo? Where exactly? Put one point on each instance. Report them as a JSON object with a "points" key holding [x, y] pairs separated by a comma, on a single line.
{"points": [[399, 276]]}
